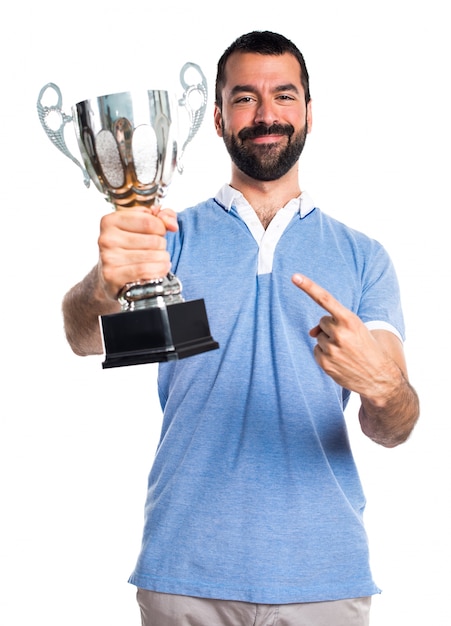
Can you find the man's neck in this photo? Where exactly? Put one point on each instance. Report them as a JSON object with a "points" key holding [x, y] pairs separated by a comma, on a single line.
{"points": [[267, 197]]}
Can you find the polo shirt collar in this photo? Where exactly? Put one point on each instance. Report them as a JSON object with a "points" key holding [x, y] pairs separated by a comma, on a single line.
{"points": [[229, 197]]}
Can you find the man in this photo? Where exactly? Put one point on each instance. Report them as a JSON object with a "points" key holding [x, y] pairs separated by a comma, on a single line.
{"points": [[254, 509]]}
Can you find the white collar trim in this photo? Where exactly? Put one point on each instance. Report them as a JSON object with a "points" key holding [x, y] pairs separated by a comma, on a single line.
{"points": [[268, 239], [229, 197]]}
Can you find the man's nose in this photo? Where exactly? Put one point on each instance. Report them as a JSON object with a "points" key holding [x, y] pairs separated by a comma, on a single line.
{"points": [[265, 113]]}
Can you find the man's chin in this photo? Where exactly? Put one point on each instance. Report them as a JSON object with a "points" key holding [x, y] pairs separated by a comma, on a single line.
{"points": [[264, 173]]}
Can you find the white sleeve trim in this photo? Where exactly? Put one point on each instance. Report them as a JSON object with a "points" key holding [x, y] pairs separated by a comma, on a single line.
{"points": [[380, 325]]}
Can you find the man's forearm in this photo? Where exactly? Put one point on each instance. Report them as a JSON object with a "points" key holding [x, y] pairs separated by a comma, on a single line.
{"points": [[391, 421], [82, 306]]}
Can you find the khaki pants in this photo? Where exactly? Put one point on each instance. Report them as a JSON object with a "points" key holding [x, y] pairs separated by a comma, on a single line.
{"points": [[160, 609]]}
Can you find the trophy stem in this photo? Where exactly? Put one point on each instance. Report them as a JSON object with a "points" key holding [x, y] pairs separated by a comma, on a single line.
{"points": [[150, 294]]}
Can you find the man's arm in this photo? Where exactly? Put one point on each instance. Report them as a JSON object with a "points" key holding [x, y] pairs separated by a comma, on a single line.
{"points": [[82, 306], [388, 415], [370, 363], [132, 247]]}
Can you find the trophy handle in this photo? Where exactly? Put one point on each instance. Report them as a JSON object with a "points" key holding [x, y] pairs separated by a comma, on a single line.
{"points": [[196, 115], [56, 136]]}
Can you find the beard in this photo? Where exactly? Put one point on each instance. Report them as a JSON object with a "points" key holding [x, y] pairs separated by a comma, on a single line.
{"points": [[265, 162]]}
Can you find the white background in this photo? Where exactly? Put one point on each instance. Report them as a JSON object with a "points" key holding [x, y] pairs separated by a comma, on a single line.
{"points": [[77, 442]]}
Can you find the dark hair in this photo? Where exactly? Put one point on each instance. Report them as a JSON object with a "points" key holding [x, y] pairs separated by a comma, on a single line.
{"points": [[261, 42]]}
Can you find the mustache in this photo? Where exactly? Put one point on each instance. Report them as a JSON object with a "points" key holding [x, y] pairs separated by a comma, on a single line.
{"points": [[251, 132]]}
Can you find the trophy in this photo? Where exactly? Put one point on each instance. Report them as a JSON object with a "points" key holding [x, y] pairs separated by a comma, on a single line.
{"points": [[131, 144]]}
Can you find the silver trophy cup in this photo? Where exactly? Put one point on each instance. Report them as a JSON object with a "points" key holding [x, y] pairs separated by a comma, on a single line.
{"points": [[131, 144]]}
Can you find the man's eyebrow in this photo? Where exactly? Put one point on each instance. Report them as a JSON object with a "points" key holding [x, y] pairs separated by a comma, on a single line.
{"points": [[251, 89], [240, 88], [287, 87]]}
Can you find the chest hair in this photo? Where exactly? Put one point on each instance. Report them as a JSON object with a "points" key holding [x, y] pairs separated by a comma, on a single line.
{"points": [[265, 215]]}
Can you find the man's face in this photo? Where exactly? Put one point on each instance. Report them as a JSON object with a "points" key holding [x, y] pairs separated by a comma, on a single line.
{"points": [[264, 120]]}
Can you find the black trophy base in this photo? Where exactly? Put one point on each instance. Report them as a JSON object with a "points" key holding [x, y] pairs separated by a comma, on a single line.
{"points": [[155, 335]]}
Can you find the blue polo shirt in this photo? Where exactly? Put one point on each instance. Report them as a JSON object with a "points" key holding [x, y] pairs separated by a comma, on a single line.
{"points": [[254, 494]]}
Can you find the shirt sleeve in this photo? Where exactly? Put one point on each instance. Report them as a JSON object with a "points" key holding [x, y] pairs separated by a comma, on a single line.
{"points": [[380, 304]]}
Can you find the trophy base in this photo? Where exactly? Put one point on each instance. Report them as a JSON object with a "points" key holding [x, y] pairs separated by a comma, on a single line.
{"points": [[155, 335]]}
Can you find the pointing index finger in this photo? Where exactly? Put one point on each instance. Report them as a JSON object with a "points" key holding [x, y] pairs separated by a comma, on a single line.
{"points": [[319, 295]]}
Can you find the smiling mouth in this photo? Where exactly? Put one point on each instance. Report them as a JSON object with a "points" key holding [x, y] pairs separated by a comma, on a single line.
{"points": [[267, 138], [266, 134]]}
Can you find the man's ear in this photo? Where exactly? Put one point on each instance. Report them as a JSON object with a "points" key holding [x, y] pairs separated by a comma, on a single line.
{"points": [[218, 120], [309, 116]]}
